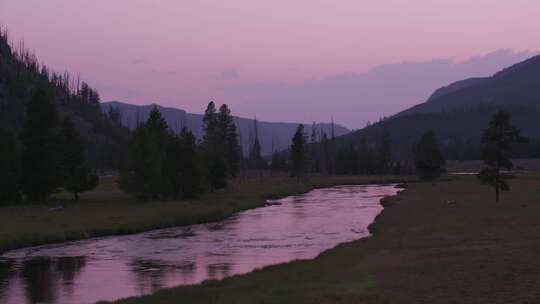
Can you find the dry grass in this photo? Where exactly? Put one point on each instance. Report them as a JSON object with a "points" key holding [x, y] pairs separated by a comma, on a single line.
{"points": [[446, 242]]}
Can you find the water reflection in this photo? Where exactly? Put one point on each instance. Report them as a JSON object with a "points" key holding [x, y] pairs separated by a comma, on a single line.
{"points": [[298, 227]]}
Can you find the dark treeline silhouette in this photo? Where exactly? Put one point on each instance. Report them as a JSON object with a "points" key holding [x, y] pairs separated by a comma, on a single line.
{"points": [[51, 157], [163, 165], [21, 75]]}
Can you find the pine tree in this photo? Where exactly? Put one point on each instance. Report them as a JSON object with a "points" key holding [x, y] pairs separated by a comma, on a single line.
{"points": [[228, 139], [41, 172], [298, 153], [255, 158], [77, 178], [145, 171], [10, 168], [498, 140], [429, 161], [190, 168], [314, 158], [214, 150]]}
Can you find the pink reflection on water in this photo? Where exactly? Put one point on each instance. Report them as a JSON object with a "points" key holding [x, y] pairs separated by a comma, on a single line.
{"points": [[297, 227]]}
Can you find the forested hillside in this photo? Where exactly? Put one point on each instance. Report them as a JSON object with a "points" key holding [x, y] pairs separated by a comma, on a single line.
{"points": [[515, 85], [458, 113], [21, 74], [272, 135]]}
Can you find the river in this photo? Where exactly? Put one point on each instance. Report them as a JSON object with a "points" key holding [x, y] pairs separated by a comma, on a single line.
{"points": [[109, 268]]}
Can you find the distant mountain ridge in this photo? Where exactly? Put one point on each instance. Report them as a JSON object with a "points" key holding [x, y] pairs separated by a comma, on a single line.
{"points": [[275, 135], [460, 111], [515, 85]]}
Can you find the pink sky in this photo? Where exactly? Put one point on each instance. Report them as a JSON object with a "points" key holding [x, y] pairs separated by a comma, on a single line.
{"points": [[183, 53]]}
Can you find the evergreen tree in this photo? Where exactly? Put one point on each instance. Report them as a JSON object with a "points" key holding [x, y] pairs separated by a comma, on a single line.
{"points": [[9, 166], [173, 166], [255, 158], [228, 140], [326, 157], [41, 172], [314, 150], [190, 168], [77, 178], [214, 148], [145, 169], [298, 153], [429, 161], [498, 140]]}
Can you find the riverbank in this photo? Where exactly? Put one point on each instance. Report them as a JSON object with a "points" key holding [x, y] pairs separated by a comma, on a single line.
{"points": [[109, 211], [446, 242]]}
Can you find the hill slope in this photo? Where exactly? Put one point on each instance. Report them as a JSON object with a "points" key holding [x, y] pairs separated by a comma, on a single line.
{"points": [[516, 85], [21, 74], [459, 112], [279, 133]]}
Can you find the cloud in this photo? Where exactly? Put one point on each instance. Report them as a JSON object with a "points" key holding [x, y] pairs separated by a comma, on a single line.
{"points": [[354, 99], [229, 73], [138, 61]]}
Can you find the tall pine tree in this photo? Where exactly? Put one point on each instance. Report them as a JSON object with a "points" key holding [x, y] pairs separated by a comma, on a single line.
{"points": [[10, 168], [41, 171], [429, 160], [190, 182], [299, 153], [76, 177], [498, 140], [214, 149], [145, 170]]}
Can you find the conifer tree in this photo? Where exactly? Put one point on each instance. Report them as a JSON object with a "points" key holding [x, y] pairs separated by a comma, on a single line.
{"points": [[228, 139], [76, 177], [298, 153], [429, 161], [214, 150], [190, 182], [144, 173], [255, 158], [498, 140], [10, 168], [41, 172]]}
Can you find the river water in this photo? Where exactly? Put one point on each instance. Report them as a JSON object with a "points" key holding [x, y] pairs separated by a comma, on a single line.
{"points": [[109, 268]]}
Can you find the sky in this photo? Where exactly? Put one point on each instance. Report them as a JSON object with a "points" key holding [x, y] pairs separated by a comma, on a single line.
{"points": [[183, 53]]}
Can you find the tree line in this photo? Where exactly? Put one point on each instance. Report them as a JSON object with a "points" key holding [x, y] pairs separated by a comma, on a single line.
{"points": [[163, 165], [50, 156]]}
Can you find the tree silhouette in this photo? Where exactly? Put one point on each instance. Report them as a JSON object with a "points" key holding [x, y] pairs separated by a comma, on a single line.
{"points": [[298, 153], [41, 172], [498, 140], [10, 168], [428, 158], [76, 177]]}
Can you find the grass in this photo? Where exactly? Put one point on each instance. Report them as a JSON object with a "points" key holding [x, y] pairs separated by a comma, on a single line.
{"points": [[108, 211], [444, 242]]}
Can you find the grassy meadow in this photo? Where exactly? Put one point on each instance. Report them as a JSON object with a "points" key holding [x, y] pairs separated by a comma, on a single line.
{"points": [[108, 211], [442, 242]]}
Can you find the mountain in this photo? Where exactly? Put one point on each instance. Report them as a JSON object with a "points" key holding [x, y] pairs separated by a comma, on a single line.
{"points": [[516, 85], [460, 111], [278, 134], [21, 74], [355, 98]]}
